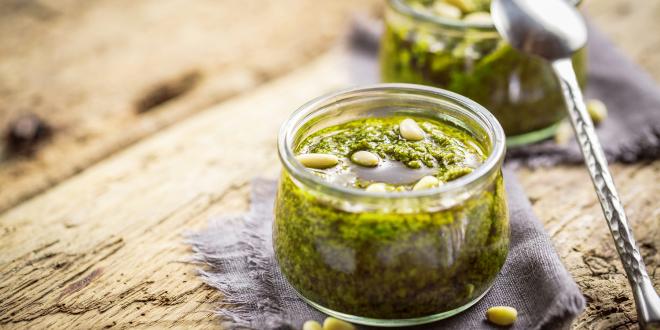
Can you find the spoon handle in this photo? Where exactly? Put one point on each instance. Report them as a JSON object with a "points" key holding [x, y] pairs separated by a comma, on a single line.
{"points": [[646, 299]]}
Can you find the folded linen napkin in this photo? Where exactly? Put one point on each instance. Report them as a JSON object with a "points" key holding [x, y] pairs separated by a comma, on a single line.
{"points": [[238, 260], [631, 132]]}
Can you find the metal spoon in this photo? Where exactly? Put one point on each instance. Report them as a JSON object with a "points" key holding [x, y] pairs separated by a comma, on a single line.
{"points": [[554, 30]]}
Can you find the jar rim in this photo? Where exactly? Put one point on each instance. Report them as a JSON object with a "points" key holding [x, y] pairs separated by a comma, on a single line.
{"points": [[403, 8], [287, 135]]}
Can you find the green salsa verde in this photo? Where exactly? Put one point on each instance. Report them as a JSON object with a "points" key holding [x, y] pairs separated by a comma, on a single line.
{"points": [[520, 90], [389, 264]]}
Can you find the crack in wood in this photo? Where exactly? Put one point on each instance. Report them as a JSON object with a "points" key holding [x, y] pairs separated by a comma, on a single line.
{"points": [[133, 295], [163, 299], [116, 245], [81, 284], [35, 251], [17, 300]]}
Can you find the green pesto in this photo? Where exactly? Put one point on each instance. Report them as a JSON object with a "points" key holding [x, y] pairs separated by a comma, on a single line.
{"points": [[446, 148], [518, 89], [389, 265], [385, 264], [467, 6]]}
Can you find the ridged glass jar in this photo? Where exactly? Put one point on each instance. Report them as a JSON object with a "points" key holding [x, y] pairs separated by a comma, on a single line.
{"points": [[472, 59], [391, 258]]}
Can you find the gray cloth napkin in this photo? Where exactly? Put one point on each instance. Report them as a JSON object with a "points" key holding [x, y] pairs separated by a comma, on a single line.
{"points": [[631, 132], [238, 260]]}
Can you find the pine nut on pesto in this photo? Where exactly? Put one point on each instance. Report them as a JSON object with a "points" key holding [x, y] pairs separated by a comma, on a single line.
{"points": [[427, 43], [377, 187], [362, 243], [409, 130], [426, 182], [316, 160], [365, 158]]}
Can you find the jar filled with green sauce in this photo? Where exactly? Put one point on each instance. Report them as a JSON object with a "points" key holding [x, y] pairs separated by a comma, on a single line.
{"points": [[397, 255], [453, 44]]}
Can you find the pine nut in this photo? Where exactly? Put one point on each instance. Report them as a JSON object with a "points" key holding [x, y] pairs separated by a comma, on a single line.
{"points": [[319, 161], [446, 10], [426, 182], [409, 130], [377, 187], [502, 315], [564, 133], [312, 325], [465, 5], [597, 111], [332, 323], [480, 17], [365, 158]]}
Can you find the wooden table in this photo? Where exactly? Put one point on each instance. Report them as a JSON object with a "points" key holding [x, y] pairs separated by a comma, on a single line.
{"points": [[91, 226]]}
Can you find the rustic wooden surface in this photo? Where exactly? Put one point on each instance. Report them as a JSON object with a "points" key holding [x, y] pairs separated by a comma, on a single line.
{"points": [[103, 246], [85, 66]]}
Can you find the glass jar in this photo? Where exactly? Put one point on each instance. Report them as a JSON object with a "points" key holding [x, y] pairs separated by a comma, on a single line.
{"points": [[471, 59], [391, 258]]}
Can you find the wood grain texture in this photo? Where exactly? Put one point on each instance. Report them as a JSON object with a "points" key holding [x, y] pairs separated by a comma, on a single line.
{"points": [[564, 199], [87, 67], [632, 24], [104, 247]]}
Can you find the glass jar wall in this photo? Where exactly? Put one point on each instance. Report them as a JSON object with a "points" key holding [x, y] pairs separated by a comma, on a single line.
{"points": [[391, 258], [471, 59]]}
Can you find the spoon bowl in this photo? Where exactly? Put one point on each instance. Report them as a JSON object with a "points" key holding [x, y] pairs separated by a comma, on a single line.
{"points": [[549, 29]]}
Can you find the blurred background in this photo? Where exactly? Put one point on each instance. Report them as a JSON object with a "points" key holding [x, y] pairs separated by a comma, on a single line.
{"points": [[81, 79]]}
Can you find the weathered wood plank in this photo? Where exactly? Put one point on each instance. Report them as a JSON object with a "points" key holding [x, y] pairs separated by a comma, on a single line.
{"points": [[632, 25], [85, 66], [103, 248], [564, 199]]}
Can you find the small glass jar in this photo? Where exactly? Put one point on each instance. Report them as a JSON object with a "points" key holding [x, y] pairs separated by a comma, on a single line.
{"points": [[472, 59], [391, 258]]}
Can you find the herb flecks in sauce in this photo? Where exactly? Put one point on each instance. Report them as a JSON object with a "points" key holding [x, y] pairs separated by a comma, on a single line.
{"points": [[520, 90], [445, 151], [389, 264]]}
